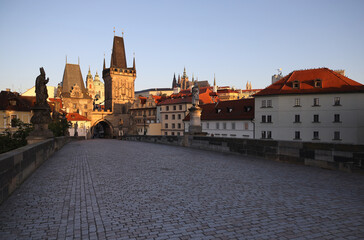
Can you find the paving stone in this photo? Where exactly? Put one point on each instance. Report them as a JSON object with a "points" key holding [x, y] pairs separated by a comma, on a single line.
{"points": [[110, 189]]}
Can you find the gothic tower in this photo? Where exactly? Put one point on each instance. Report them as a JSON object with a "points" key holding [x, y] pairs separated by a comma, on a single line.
{"points": [[90, 84], [119, 79]]}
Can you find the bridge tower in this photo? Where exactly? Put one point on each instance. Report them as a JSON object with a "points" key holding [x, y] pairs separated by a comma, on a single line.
{"points": [[119, 80]]}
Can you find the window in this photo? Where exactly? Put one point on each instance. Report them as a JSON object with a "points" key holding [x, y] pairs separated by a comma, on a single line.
{"points": [[167, 108], [337, 101], [217, 125], [74, 105], [172, 133], [264, 103], [297, 102], [173, 125], [316, 118], [149, 112], [180, 107], [337, 135], [316, 135], [166, 117], [173, 116], [297, 118], [174, 107], [178, 133], [179, 125], [297, 135], [269, 103], [165, 133], [318, 83], [85, 106], [179, 116], [337, 118], [207, 125], [233, 125], [264, 118], [13, 120], [269, 118], [264, 135], [296, 84], [269, 134], [166, 125], [246, 126], [224, 125], [316, 102]]}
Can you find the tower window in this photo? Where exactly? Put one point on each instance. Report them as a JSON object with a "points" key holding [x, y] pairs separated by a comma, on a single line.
{"points": [[316, 135]]}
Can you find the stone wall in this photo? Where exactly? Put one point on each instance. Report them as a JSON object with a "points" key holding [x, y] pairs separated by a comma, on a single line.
{"points": [[326, 155], [17, 165]]}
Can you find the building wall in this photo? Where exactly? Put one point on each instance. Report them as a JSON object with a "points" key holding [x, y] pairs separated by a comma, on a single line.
{"points": [[225, 128], [81, 105], [283, 111], [6, 116], [173, 125]]}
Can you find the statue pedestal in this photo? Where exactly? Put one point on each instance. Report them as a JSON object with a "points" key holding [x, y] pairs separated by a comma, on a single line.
{"points": [[41, 118], [195, 120]]}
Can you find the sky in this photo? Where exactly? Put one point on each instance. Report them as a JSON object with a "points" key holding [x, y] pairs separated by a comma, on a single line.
{"points": [[237, 41]]}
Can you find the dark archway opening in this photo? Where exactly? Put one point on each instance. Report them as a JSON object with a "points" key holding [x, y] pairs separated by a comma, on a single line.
{"points": [[102, 130]]}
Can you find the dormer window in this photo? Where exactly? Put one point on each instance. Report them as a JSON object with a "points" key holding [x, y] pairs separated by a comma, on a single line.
{"points": [[318, 83], [12, 102], [218, 110], [229, 110], [296, 84]]}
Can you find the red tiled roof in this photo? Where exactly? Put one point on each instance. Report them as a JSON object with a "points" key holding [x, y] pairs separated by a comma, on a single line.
{"points": [[331, 82], [76, 117], [185, 96], [242, 109]]}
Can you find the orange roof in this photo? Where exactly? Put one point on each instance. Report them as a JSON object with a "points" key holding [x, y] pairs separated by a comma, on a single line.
{"points": [[185, 96], [76, 117], [242, 109], [331, 82]]}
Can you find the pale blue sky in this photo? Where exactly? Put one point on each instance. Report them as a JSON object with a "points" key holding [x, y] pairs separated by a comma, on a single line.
{"points": [[239, 41]]}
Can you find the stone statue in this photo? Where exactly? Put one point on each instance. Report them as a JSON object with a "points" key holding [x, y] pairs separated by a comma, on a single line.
{"points": [[76, 129], [195, 95], [41, 111], [41, 89]]}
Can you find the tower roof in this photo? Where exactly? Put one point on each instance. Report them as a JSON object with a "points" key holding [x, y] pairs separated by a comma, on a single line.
{"points": [[118, 58], [72, 75]]}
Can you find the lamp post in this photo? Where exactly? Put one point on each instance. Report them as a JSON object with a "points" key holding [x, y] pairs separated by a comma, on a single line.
{"points": [[145, 119]]}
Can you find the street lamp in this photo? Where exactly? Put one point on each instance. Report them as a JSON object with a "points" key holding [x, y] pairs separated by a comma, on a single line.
{"points": [[145, 119]]}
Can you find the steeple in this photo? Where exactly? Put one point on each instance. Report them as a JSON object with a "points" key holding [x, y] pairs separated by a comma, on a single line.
{"points": [[104, 62], [215, 87], [174, 82], [118, 58], [134, 61], [179, 80]]}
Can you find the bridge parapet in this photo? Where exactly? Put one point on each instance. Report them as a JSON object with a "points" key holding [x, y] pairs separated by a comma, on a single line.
{"points": [[344, 157], [17, 165]]}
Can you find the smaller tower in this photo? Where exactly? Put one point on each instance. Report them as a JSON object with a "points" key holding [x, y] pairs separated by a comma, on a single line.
{"points": [[174, 82], [90, 84], [215, 87]]}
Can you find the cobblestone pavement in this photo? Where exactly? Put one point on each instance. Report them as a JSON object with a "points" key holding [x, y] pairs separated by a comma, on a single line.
{"points": [[110, 189]]}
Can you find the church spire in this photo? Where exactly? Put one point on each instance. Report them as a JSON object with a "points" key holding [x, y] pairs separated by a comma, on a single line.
{"points": [[174, 82], [215, 87], [104, 62], [134, 61]]}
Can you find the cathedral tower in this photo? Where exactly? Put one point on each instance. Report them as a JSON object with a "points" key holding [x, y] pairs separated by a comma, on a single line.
{"points": [[90, 84], [119, 79]]}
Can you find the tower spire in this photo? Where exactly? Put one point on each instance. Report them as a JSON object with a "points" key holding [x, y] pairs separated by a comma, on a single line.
{"points": [[104, 62], [134, 61]]}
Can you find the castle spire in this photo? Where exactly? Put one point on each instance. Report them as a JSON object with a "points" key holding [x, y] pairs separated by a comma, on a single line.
{"points": [[134, 61], [104, 62], [174, 82]]}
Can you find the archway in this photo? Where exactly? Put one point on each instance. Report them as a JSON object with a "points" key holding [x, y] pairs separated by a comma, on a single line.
{"points": [[102, 129]]}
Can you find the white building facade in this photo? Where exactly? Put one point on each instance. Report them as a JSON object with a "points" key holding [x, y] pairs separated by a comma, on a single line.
{"points": [[317, 105]]}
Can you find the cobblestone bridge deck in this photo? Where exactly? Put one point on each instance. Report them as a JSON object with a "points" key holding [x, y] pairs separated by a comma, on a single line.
{"points": [[110, 189]]}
